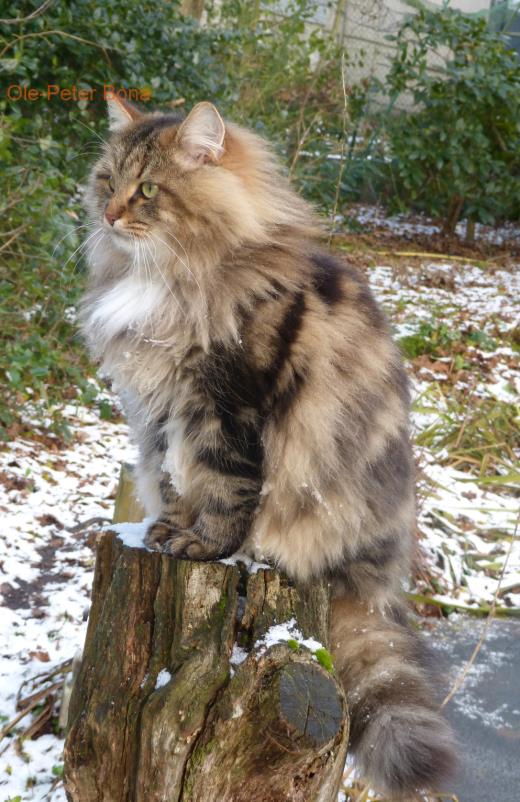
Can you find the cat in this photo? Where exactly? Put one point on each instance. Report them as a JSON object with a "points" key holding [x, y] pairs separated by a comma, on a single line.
{"points": [[268, 400]]}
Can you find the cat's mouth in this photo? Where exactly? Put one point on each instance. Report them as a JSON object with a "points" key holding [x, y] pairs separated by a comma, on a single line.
{"points": [[123, 233]]}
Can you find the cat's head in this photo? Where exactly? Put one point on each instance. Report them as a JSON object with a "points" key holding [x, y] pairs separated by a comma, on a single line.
{"points": [[172, 182]]}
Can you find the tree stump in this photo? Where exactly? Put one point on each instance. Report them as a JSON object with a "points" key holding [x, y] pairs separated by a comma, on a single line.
{"points": [[188, 691]]}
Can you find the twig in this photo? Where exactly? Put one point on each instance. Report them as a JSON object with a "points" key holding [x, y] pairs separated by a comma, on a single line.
{"points": [[36, 13], [11, 724], [421, 254], [483, 610], [89, 522], [301, 141], [15, 235], [40, 720], [11, 44], [27, 702], [62, 668], [468, 414], [53, 787], [14, 198], [363, 796], [301, 115], [343, 140], [464, 673], [12, 230]]}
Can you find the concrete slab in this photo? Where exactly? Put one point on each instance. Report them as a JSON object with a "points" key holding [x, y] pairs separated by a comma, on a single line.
{"points": [[485, 712]]}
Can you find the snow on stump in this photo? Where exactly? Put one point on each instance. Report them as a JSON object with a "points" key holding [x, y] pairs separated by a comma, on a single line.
{"points": [[202, 681]]}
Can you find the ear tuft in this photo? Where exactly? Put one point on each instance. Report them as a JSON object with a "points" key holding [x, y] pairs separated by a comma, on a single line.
{"points": [[202, 133], [120, 112]]}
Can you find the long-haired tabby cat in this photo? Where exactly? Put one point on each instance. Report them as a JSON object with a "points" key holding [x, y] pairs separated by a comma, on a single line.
{"points": [[268, 400]]}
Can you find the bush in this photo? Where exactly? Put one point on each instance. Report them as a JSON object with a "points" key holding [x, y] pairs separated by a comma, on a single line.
{"points": [[46, 146], [458, 154]]}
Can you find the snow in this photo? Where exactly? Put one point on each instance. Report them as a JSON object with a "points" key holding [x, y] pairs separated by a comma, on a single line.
{"points": [[132, 534], [163, 678], [30, 776], [245, 560], [238, 655], [281, 633], [46, 574], [405, 225], [276, 634]]}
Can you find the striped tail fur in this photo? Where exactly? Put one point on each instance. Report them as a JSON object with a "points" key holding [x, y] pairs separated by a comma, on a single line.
{"points": [[400, 741]]}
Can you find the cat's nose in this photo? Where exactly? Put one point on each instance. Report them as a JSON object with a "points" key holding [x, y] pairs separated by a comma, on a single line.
{"points": [[112, 216]]}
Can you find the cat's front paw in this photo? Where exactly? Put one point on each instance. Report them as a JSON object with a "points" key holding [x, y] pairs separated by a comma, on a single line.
{"points": [[159, 534], [184, 544]]}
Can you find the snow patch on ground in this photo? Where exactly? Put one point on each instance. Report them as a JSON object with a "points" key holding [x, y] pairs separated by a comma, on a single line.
{"points": [[407, 225], [464, 525], [46, 575]]}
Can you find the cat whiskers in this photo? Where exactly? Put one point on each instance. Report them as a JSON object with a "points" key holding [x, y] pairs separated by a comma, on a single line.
{"points": [[96, 242], [91, 149], [185, 264], [144, 261], [93, 132], [134, 254], [82, 247], [72, 231], [154, 261]]}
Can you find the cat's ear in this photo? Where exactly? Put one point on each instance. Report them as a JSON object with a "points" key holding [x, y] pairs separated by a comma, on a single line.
{"points": [[201, 135], [120, 112]]}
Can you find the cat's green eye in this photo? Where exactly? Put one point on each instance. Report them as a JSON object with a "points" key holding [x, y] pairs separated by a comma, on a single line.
{"points": [[111, 184], [149, 190]]}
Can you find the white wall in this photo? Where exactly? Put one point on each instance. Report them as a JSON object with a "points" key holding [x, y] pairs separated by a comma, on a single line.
{"points": [[364, 24]]}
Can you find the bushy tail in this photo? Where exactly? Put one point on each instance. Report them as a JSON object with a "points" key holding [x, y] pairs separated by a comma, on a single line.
{"points": [[400, 741]]}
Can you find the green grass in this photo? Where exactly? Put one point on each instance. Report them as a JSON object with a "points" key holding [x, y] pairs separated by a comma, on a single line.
{"points": [[478, 435]]}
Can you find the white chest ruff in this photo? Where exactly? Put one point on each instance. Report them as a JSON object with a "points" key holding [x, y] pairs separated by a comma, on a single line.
{"points": [[174, 462], [129, 304]]}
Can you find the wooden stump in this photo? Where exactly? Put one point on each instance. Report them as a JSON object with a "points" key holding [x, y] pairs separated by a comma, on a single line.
{"points": [[127, 507], [185, 694]]}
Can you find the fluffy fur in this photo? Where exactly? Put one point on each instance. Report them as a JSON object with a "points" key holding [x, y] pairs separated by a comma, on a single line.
{"points": [[268, 400]]}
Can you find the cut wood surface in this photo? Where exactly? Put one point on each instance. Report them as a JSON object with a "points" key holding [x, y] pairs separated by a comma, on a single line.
{"points": [[187, 692]]}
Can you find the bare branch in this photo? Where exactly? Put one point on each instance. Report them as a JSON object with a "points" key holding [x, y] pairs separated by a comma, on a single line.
{"points": [[66, 35], [36, 13]]}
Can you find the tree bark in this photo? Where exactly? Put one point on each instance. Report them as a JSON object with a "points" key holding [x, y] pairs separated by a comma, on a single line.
{"points": [[163, 709], [470, 231], [127, 507], [452, 218]]}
